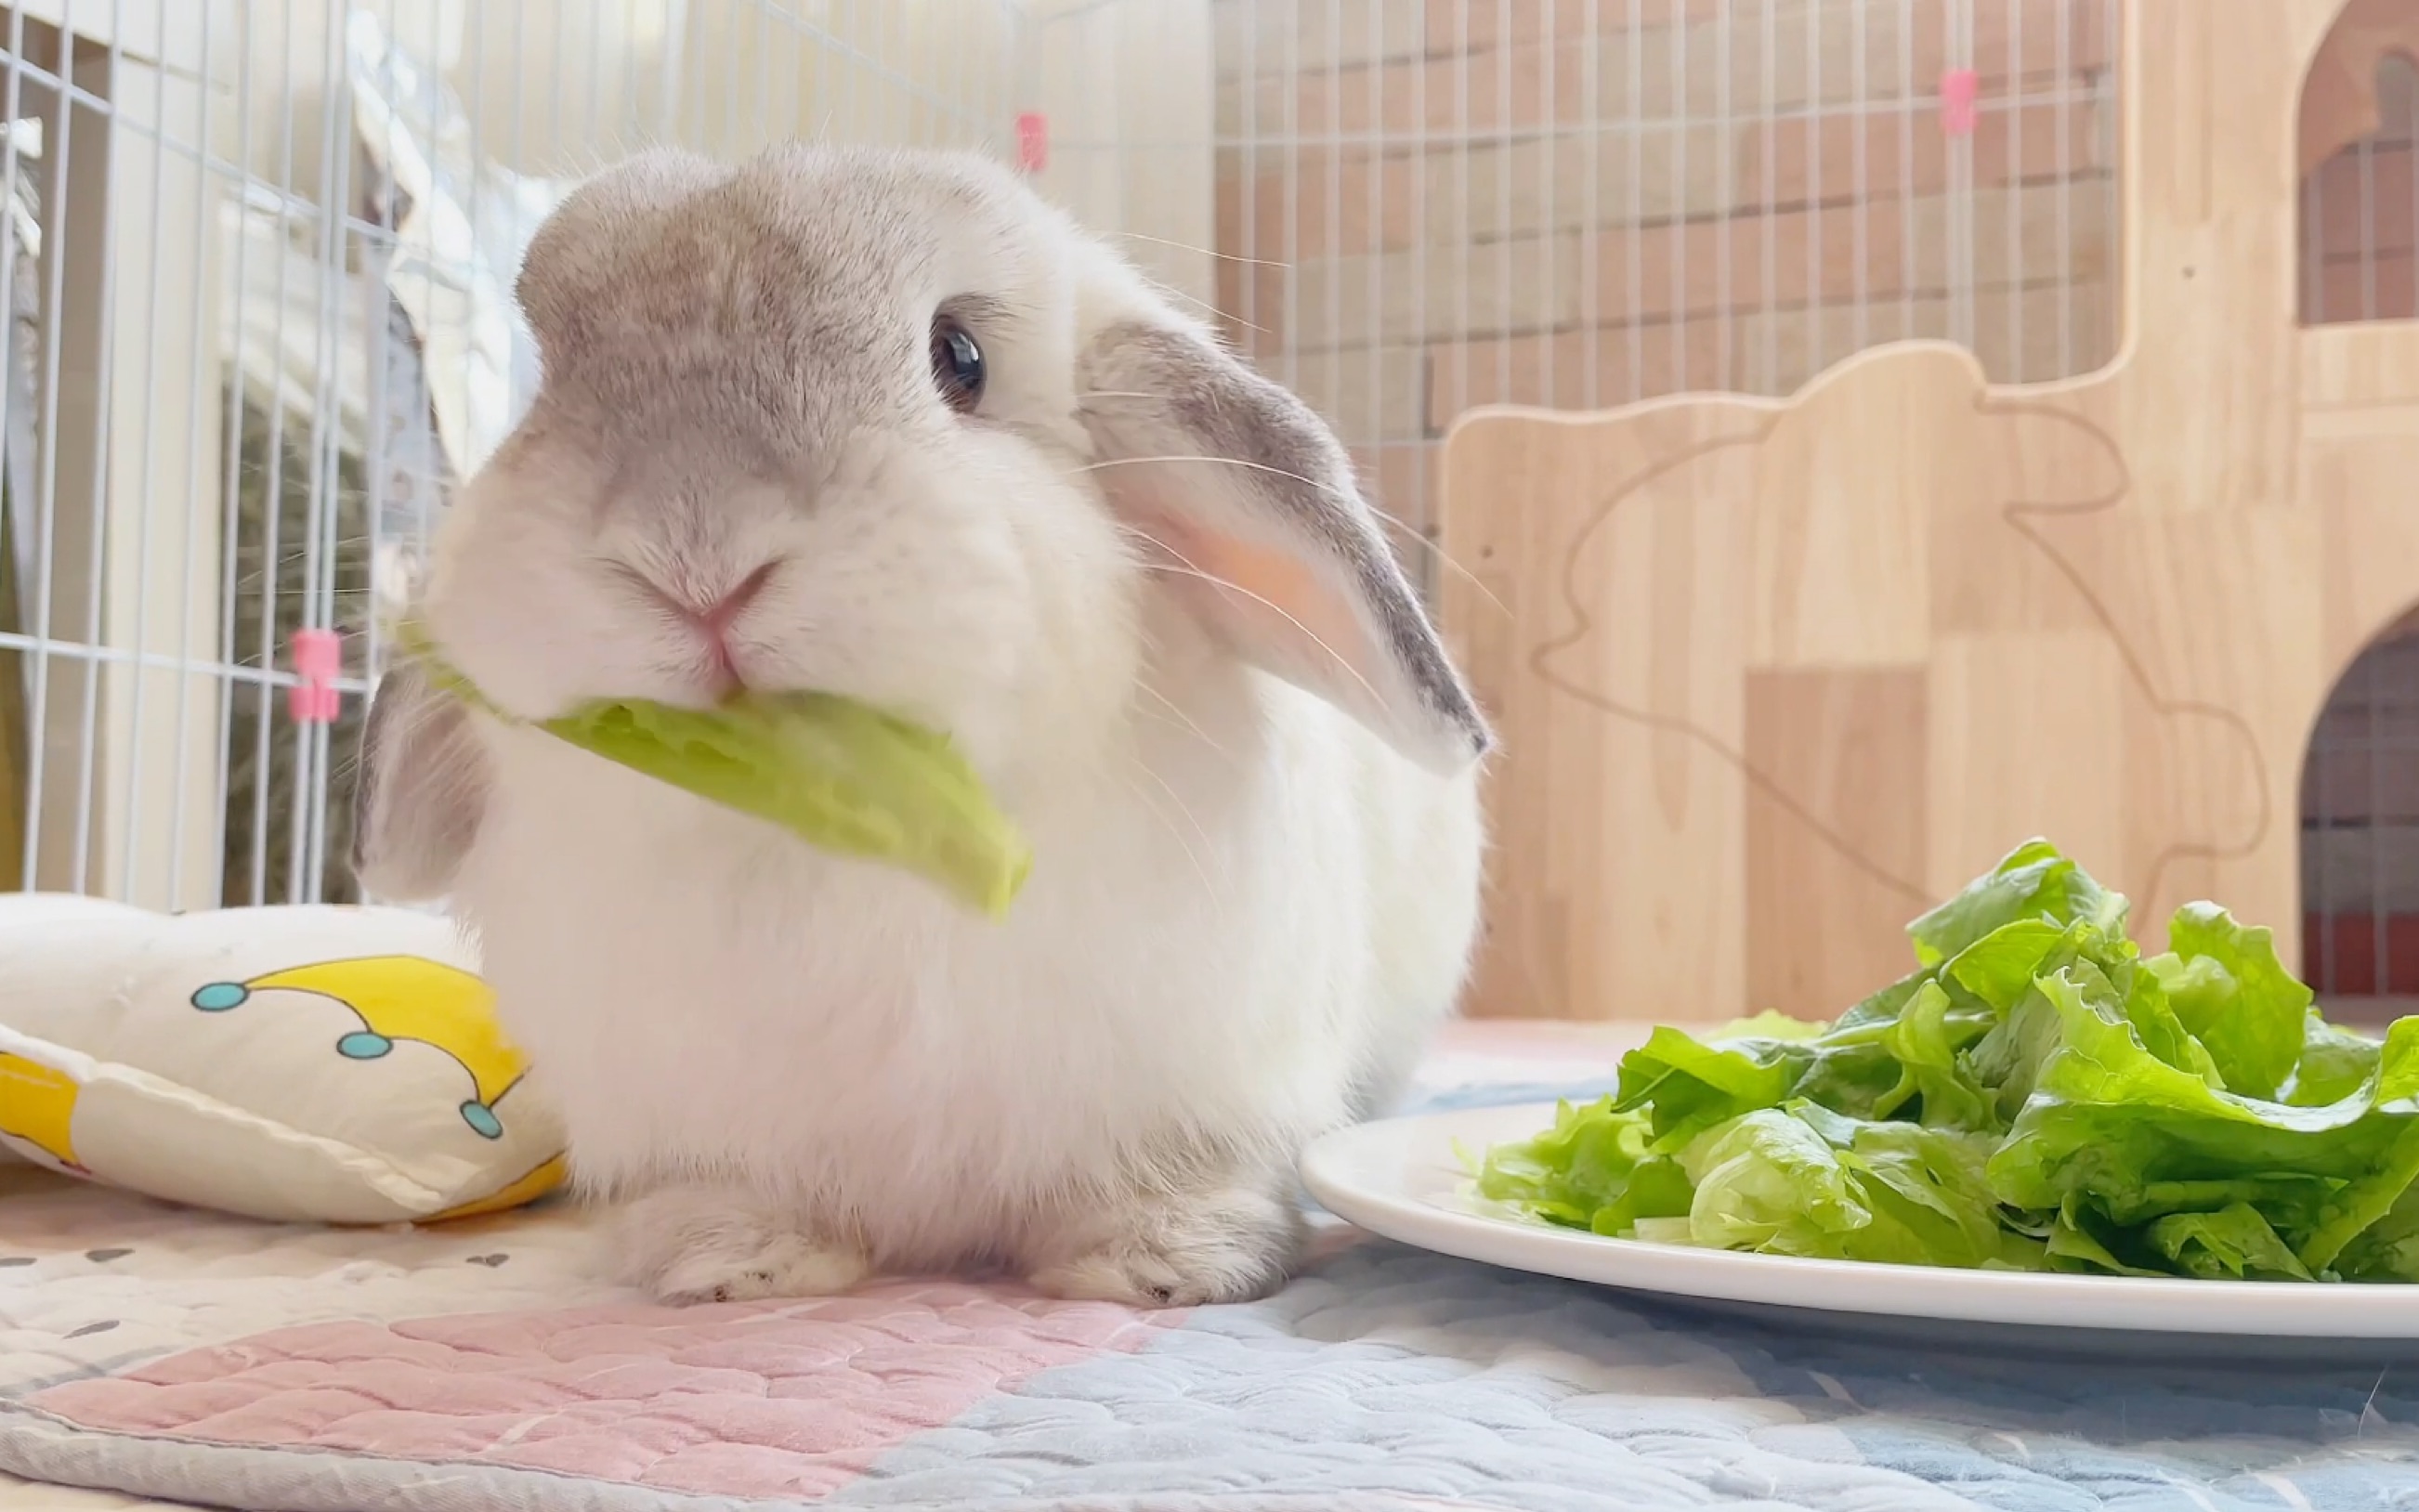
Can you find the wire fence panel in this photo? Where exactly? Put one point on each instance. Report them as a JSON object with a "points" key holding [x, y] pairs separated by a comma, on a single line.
{"points": [[259, 256], [1424, 206], [258, 272]]}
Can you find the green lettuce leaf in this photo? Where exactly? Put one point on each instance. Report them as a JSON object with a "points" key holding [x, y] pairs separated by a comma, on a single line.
{"points": [[1687, 1086], [2235, 1243], [2036, 1094], [1927, 1041], [839, 774], [1765, 1180], [1767, 1024], [2388, 1249], [1998, 968], [2032, 882], [2230, 990], [2334, 1064], [1804, 1182]]}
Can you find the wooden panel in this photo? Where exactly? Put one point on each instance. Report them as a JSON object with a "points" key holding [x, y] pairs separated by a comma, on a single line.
{"points": [[2354, 366], [2209, 812], [1618, 866], [2026, 738], [2020, 559], [1772, 673], [2359, 485], [1835, 830], [1841, 531]]}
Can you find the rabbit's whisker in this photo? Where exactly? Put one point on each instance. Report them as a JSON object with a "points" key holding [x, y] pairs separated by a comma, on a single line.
{"points": [[1199, 869], [1188, 570], [1179, 717]]}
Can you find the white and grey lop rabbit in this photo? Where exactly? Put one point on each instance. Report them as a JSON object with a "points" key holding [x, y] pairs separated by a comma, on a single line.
{"points": [[888, 425]]}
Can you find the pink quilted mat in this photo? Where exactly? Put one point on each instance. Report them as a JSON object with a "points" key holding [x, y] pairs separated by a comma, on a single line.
{"points": [[765, 1401], [485, 1368], [172, 1353]]}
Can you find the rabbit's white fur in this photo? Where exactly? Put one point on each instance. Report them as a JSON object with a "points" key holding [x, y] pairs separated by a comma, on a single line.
{"points": [[1247, 910]]}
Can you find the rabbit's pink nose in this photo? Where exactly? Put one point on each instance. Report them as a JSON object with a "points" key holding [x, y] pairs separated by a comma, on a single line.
{"points": [[714, 621], [716, 618]]}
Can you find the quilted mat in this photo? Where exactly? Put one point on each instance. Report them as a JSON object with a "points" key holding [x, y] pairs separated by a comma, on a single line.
{"points": [[483, 1367]]}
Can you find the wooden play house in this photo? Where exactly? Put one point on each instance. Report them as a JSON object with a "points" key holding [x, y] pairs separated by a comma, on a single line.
{"points": [[1773, 675]]}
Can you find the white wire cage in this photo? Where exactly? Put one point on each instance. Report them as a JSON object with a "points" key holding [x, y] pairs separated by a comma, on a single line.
{"points": [[260, 275], [260, 255]]}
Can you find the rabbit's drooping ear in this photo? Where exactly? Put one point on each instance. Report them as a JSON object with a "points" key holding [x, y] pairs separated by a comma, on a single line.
{"points": [[1254, 502], [421, 789]]}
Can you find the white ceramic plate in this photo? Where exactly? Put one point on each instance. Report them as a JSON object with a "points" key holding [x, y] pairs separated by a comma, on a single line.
{"points": [[1400, 1179]]}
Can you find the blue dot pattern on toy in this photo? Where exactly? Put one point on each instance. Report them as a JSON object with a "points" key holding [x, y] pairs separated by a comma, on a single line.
{"points": [[363, 1045]]}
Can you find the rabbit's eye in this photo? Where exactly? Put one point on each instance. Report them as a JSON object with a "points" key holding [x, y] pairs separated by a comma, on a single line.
{"points": [[957, 365]]}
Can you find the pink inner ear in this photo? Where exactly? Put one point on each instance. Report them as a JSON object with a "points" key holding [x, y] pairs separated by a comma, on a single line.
{"points": [[1284, 606]]}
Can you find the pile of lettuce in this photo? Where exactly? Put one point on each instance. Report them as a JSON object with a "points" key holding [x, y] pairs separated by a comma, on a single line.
{"points": [[2039, 1095]]}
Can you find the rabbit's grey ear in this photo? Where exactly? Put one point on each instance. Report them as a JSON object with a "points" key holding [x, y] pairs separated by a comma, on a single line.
{"points": [[421, 790], [1266, 535]]}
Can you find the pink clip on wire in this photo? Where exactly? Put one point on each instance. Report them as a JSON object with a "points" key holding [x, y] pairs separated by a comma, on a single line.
{"points": [[1958, 90], [318, 660], [1033, 141]]}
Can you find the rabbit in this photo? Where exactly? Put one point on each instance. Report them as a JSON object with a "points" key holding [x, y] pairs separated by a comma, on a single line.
{"points": [[888, 425]]}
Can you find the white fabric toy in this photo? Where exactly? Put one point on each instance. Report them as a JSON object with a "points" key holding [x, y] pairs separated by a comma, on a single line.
{"points": [[312, 1063]]}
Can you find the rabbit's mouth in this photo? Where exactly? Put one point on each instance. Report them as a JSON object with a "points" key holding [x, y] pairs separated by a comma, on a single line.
{"points": [[841, 773]]}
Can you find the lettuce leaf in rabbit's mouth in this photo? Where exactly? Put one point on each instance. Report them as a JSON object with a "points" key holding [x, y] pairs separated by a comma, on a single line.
{"points": [[2039, 1094], [843, 775]]}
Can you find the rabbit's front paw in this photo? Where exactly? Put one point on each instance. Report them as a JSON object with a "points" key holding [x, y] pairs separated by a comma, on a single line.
{"points": [[1228, 1244], [692, 1244]]}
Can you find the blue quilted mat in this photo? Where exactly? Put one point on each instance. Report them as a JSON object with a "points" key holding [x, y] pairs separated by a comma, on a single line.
{"points": [[166, 1355]]}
